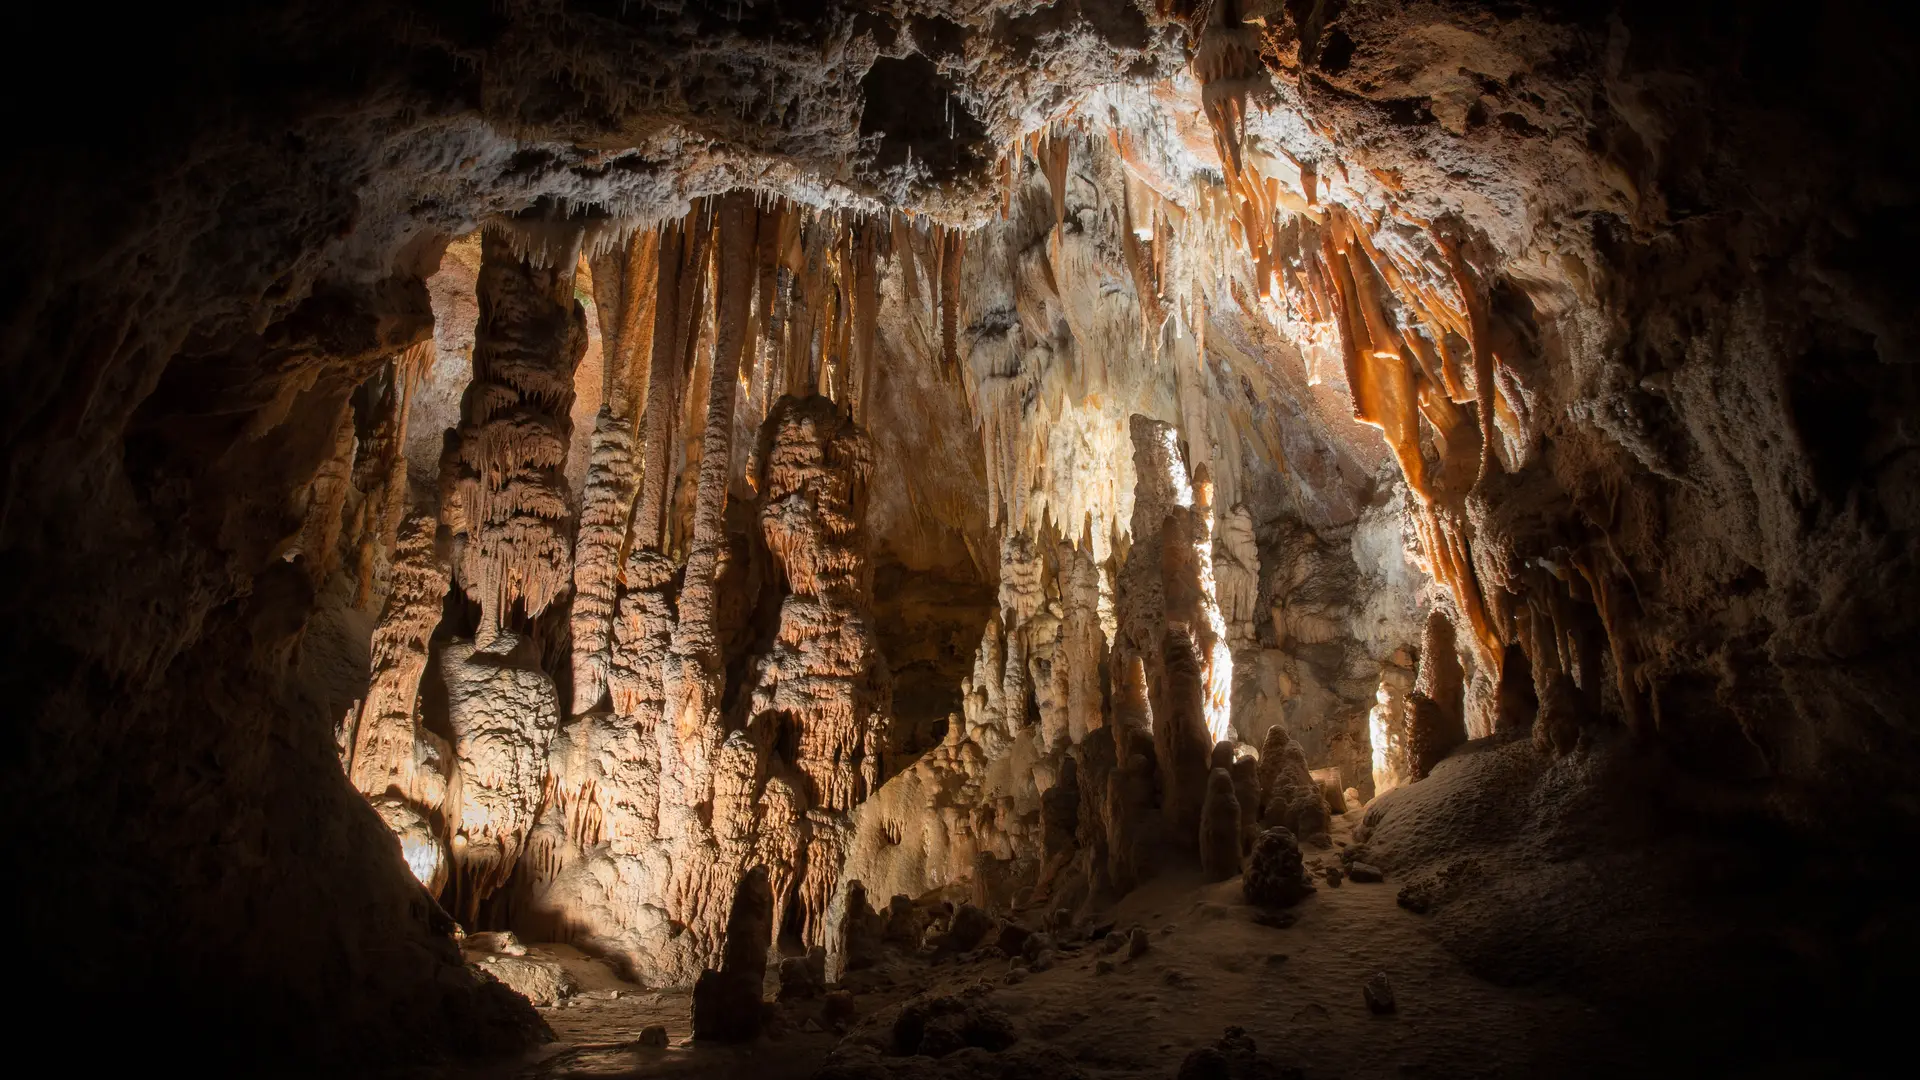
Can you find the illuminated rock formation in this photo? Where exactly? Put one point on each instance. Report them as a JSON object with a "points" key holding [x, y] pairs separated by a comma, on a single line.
{"points": [[392, 756], [628, 287], [1000, 408], [1436, 722], [516, 548], [503, 712]]}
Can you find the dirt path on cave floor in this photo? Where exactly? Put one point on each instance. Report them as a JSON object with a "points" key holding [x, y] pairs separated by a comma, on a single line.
{"points": [[1297, 991]]}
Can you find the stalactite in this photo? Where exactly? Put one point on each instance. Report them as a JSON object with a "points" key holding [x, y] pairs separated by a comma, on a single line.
{"points": [[683, 258], [513, 436], [1054, 163], [866, 300], [695, 642], [380, 468], [326, 500], [612, 472], [951, 252]]}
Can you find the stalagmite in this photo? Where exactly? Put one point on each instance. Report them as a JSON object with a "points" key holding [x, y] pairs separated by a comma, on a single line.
{"points": [[1220, 828], [387, 741], [503, 712], [823, 688], [1246, 790], [727, 1003], [1180, 737], [1436, 718], [1081, 652]]}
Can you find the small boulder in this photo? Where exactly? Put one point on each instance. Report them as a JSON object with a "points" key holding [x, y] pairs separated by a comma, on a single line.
{"points": [[1233, 1057], [904, 922], [804, 977], [1013, 938], [936, 1027], [969, 927], [1138, 943], [1275, 918], [1334, 876], [1366, 873], [653, 1036], [542, 981], [1378, 994], [497, 942]]}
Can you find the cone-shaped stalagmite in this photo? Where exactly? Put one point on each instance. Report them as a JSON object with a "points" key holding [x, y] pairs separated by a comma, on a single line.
{"points": [[727, 1003], [1436, 711], [1220, 828]]}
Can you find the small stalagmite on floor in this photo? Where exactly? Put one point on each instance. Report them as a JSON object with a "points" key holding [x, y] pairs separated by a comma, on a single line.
{"points": [[727, 1004]]}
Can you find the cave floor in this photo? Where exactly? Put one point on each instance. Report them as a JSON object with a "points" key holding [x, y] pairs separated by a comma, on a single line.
{"points": [[1296, 991]]}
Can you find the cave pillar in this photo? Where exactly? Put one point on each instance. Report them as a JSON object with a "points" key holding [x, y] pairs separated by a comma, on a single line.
{"points": [[823, 684]]}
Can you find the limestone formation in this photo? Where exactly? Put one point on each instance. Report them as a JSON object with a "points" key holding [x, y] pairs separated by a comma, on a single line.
{"points": [[1436, 718], [625, 298], [727, 1003], [1290, 798], [1246, 792], [391, 755], [1275, 877], [503, 712], [1220, 828], [1183, 750], [515, 514], [996, 408]]}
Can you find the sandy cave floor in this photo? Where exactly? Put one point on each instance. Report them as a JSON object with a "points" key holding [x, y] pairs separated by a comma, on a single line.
{"points": [[1296, 991]]}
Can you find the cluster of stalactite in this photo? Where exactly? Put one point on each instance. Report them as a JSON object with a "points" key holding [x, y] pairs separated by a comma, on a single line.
{"points": [[1174, 579], [670, 783], [1433, 363], [509, 508], [632, 822], [728, 706], [358, 518]]}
